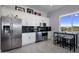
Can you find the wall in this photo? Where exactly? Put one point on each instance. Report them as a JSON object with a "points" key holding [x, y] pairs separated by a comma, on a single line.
{"points": [[54, 15]]}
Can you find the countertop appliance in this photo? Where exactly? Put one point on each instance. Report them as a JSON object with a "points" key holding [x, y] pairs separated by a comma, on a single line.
{"points": [[42, 24], [11, 33]]}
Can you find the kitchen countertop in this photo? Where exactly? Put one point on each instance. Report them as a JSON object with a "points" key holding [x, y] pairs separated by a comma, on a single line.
{"points": [[66, 32]]}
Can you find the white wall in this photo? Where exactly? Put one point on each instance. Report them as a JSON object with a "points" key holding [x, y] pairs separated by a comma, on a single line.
{"points": [[54, 15]]}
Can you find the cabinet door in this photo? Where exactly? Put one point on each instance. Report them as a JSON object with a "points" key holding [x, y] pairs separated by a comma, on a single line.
{"points": [[45, 20], [28, 38], [24, 39], [49, 35], [24, 20], [48, 21], [31, 37], [33, 20], [5, 11], [37, 20], [29, 20]]}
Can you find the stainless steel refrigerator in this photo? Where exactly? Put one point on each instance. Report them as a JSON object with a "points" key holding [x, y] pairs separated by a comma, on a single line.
{"points": [[11, 33]]}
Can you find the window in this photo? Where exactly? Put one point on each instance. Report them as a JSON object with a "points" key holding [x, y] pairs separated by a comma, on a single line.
{"points": [[69, 22]]}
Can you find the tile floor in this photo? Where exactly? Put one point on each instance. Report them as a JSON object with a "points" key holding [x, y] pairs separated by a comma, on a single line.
{"points": [[41, 47]]}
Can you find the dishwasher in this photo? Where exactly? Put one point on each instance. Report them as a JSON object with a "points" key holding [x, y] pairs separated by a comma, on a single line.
{"points": [[41, 36]]}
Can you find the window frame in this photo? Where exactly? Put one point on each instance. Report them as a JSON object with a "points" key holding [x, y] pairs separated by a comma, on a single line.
{"points": [[66, 15]]}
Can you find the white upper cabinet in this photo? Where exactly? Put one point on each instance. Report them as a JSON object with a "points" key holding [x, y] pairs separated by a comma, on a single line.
{"points": [[45, 20], [31, 20], [24, 20], [27, 19], [38, 20], [5, 12]]}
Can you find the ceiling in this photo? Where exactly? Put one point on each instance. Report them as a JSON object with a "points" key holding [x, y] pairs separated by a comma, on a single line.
{"points": [[46, 8]]}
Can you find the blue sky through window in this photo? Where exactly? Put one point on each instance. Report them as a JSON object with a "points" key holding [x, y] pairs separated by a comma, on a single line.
{"points": [[76, 20], [67, 20]]}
